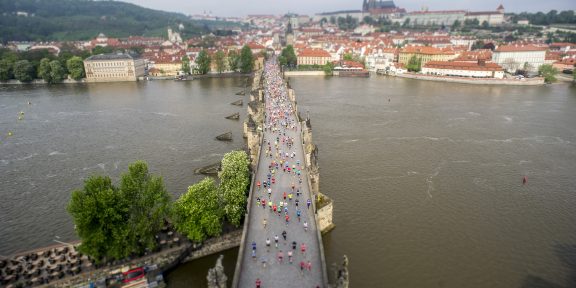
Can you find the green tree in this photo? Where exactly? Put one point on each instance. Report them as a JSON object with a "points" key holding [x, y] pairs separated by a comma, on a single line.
{"points": [[6, 70], [406, 23], [548, 72], [471, 22], [233, 60], [102, 50], [219, 60], [75, 67], [234, 181], [348, 57], [456, 25], [149, 206], [44, 70], [198, 214], [332, 20], [98, 211], [203, 62], [114, 223], [186, 65], [368, 20], [57, 72], [23, 71], [246, 60], [289, 55], [329, 68], [414, 64], [485, 24]]}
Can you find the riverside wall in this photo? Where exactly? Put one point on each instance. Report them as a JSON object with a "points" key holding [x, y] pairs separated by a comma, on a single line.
{"points": [[42, 82], [476, 81], [162, 262], [304, 73]]}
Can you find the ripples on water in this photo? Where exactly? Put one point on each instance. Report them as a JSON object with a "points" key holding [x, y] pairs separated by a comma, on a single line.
{"points": [[73, 131], [427, 186]]}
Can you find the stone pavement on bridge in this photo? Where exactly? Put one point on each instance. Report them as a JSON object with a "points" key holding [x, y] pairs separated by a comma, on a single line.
{"points": [[274, 273]]}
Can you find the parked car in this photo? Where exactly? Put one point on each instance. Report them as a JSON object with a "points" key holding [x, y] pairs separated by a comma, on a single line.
{"points": [[133, 275]]}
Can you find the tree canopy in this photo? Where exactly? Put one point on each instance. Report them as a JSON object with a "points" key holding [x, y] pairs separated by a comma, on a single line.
{"points": [[75, 68], [149, 204], [288, 56], [233, 60], [186, 65], [203, 62], [53, 20], [234, 182], [246, 62], [414, 64], [24, 71], [219, 60], [116, 222], [548, 72], [198, 214]]}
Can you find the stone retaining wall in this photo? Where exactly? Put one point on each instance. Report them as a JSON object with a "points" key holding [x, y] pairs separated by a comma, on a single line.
{"points": [[519, 82], [304, 73]]}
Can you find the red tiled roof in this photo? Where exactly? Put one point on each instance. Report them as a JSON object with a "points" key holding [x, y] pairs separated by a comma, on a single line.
{"points": [[424, 50], [313, 53], [254, 45], [521, 48]]}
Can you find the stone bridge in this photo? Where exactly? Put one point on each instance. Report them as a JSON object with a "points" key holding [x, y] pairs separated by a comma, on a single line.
{"points": [[265, 265]]}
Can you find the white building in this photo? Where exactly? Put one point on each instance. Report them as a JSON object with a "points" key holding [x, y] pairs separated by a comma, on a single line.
{"points": [[514, 57], [493, 18], [478, 69], [113, 68], [429, 18]]}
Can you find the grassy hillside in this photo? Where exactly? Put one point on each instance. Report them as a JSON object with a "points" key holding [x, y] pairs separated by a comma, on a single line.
{"points": [[84, 19]]}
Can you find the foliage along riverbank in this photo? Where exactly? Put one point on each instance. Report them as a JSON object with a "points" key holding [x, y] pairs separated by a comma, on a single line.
{"points": [[119, 221]]}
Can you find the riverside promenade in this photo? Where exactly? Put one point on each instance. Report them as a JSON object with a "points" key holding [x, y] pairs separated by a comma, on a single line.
{"points": [[281, 159]]}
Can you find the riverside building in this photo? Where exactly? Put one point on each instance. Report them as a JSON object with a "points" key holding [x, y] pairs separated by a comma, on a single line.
{"points": [[480, 69], [113, 68]]}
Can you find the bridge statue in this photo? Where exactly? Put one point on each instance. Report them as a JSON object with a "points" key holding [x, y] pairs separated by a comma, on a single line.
{"points": [[216, 277], [342, 280]]}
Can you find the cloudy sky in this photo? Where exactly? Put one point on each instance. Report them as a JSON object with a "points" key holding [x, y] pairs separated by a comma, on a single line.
{"points": [[310, 7]]}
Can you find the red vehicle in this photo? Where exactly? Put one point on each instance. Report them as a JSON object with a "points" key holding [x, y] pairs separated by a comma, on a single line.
{"points": [[134, 274]]}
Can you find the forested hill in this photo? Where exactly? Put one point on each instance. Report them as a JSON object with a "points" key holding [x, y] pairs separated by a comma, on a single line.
{"points": [[84, 19]]}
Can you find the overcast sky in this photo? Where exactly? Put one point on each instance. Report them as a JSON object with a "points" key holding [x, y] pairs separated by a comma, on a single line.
{"points": [[311, 7]]}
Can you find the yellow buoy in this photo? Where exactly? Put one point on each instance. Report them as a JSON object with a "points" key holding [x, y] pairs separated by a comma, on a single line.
{"points": [[21, 112], [10, 133], [20, 118]]}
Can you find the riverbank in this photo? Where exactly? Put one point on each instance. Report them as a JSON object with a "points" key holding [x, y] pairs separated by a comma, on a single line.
{"points": [[42, 82], [475, 81], [63, 266]]}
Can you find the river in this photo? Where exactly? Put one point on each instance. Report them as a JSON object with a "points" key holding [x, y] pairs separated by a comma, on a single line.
{"points": [[426, 176]]}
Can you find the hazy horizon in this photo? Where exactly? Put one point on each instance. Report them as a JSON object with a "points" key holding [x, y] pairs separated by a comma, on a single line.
{"points": [[227, 8]]}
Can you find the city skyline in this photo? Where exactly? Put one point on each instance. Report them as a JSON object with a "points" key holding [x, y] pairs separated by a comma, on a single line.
{"points": [[227, 8]]}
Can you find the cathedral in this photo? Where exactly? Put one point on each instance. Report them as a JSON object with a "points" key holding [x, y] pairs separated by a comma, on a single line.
{"points": [[376, 5]]}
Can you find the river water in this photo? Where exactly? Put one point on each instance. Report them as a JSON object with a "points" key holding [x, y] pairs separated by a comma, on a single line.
{"points": [[426, 176], [73, 131]]}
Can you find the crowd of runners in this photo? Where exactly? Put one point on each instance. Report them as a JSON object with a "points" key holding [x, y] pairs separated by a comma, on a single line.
{"points": [[278, 193]]}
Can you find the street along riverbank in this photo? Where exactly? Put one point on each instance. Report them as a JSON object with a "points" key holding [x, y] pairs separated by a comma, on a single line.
{"points": [[537, 81]]}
